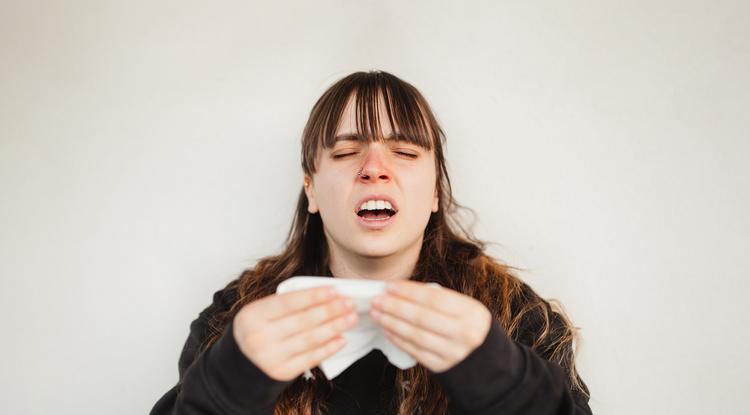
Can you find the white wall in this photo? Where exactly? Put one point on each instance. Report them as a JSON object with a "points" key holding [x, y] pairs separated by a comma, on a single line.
{"points": [[149, 151]]}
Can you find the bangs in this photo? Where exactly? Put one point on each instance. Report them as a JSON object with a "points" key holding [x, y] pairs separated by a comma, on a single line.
{"points": [[406, 111], [403, 112]]}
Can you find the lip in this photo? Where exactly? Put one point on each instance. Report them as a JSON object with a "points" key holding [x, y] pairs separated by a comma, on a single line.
{"points": [[376, 196], [375, 223]]}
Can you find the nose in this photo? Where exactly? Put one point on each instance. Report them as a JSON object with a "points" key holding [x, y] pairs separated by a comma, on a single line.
{"points": [[374, 168]]}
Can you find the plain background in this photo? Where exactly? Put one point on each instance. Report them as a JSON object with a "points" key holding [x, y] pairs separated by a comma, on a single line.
{"points": [[149, 152]]}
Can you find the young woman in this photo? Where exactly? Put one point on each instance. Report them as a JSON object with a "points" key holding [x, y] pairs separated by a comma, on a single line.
{"points": [[485, 342]]}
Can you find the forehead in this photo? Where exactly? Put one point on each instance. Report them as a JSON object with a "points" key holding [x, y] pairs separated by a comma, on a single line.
{"points": [[368, 119], [348, 123], [348, 129]]}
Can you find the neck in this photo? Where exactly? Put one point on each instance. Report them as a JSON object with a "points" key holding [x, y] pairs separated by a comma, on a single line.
{"points": [[397, 266]]}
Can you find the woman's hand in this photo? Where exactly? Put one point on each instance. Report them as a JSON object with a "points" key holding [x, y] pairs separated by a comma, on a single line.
{"points": [[438, 326], [286, 334]]}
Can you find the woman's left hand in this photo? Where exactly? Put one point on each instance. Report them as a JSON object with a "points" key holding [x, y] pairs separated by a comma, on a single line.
{"points": [[438, 326]]}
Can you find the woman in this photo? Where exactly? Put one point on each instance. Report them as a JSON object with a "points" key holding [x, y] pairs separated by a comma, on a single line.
{"points": [[485, 342]]}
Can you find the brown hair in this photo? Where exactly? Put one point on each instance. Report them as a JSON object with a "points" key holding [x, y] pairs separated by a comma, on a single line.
{"points": [[450, 255]]}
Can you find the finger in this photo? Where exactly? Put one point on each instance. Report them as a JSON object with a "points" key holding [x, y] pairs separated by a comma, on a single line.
{"points": [[440, 299], [418, 315], [279, 305], [311, 317], [422, 339], [312, 358], [302, 343], [427, 358]]}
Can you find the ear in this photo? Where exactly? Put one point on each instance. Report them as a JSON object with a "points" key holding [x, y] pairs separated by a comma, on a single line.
{"points": [[436, 201], [312, 206]]}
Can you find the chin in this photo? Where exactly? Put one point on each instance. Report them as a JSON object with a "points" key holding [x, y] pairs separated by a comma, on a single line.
{"points": [[376, 253], [376, 250]]}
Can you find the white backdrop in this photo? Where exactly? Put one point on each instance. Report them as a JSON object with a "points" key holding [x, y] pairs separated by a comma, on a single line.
{"points": [[149, 151]]}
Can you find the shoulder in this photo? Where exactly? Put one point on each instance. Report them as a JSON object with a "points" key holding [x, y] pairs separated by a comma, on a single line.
{"points": [[226, 297], [206, 324], [538, 325], [550, 333], [222, 301]]}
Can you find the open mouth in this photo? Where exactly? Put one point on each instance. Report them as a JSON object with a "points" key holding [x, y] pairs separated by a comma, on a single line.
{"points": [[377, 214]]}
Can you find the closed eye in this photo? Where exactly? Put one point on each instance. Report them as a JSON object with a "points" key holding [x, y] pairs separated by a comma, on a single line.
{"points": [[338, 156]]}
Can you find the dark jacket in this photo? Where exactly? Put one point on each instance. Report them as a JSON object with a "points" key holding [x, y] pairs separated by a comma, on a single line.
{"points": [[501, 376]]}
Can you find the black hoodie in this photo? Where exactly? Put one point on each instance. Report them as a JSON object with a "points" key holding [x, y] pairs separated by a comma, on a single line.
{"points": [[501, 376]]}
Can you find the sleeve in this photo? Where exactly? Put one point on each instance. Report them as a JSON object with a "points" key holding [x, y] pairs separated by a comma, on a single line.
{"points": [[508, 377], [219, 380]]}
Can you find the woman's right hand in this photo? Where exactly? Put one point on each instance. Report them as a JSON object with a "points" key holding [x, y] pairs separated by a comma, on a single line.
{"points": [[286, 334]]}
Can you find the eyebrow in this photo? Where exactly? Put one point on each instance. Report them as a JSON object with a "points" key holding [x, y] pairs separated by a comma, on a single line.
{"points": [[361, 137]]}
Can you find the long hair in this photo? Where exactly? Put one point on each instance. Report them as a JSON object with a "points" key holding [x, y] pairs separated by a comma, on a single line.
{"points": [[450, 255]]}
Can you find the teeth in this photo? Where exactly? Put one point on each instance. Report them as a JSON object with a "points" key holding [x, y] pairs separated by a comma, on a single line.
{"points": [[376, 205]]}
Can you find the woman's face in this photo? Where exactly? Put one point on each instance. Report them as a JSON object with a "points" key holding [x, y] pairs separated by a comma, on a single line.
{"points": [[395, 171]]}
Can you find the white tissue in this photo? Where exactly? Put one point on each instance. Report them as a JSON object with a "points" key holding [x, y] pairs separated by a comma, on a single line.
{"points": [[363, 337]]}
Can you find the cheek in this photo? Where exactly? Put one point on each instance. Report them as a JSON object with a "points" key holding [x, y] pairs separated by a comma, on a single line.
{"points": [[421, 187], [331, 192]]}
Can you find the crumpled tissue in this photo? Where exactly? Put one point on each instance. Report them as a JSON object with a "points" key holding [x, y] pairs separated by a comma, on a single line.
{"points": [[363, 337]]}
